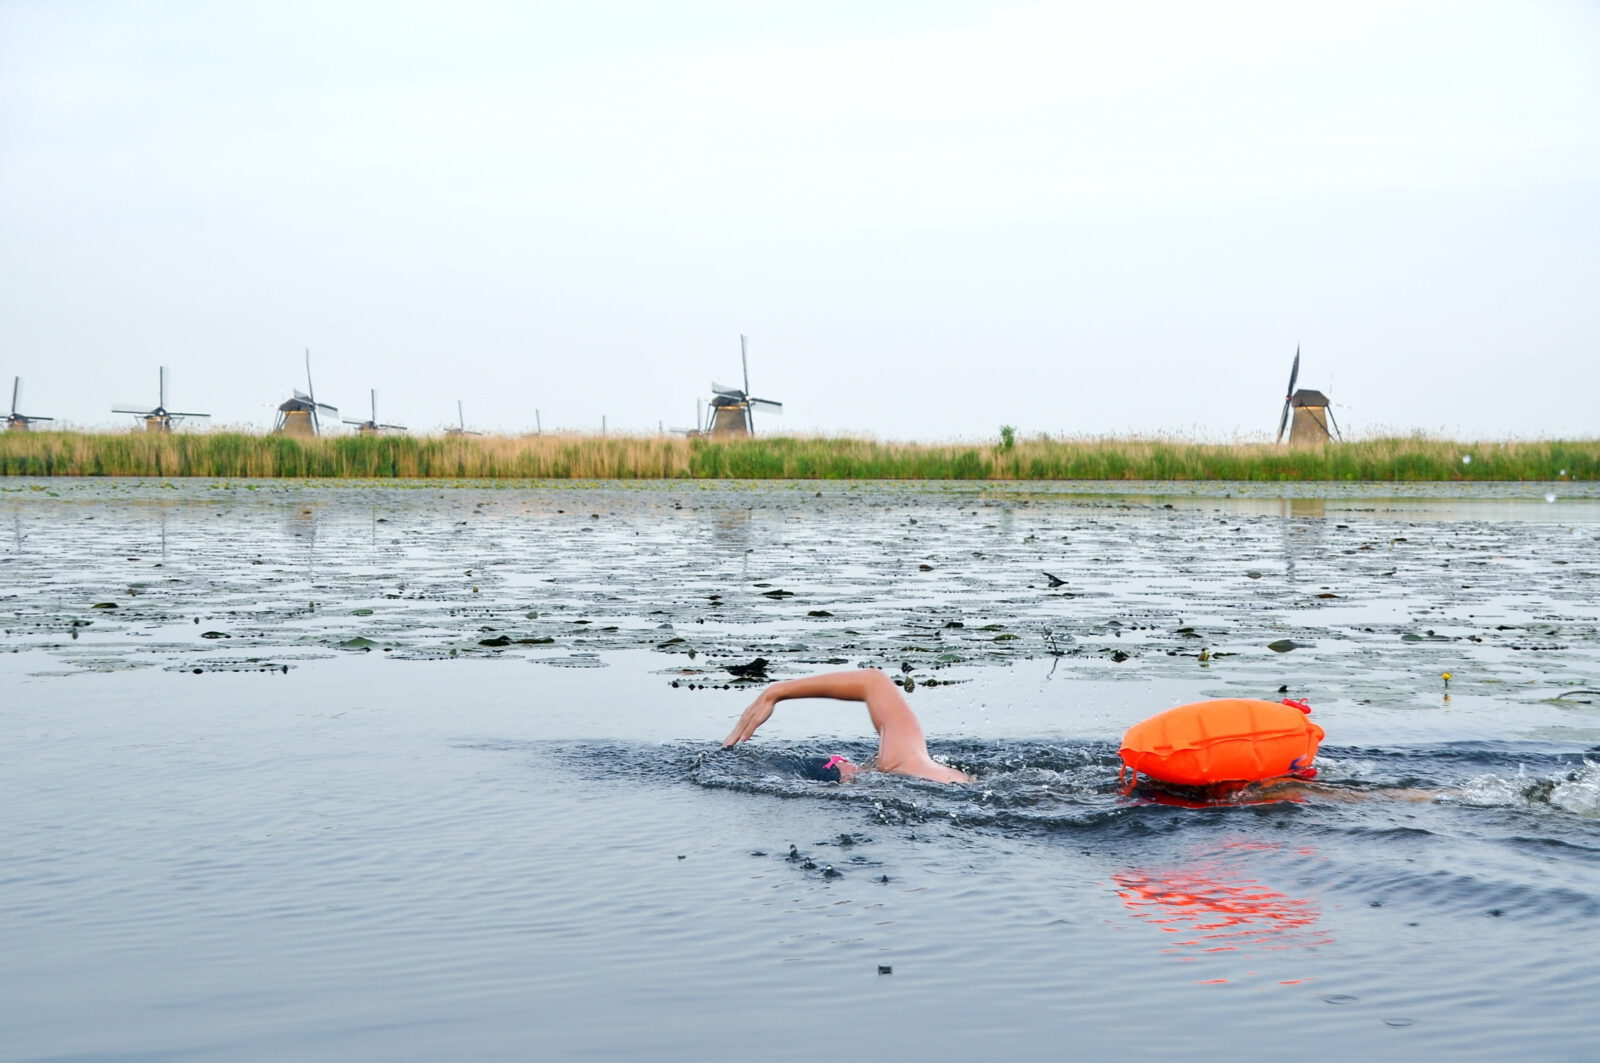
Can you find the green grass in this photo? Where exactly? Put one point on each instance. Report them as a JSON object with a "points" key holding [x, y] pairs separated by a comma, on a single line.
{"points": [[238, 455]]}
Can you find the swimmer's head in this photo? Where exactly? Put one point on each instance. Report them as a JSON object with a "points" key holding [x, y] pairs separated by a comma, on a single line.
{"points": [[827, 769]]}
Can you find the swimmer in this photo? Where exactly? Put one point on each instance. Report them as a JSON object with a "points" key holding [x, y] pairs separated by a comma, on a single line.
{"points": [[902, 748]]}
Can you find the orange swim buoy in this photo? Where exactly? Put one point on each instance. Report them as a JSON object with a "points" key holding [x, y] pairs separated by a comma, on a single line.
{"points": [[1223, 741]]}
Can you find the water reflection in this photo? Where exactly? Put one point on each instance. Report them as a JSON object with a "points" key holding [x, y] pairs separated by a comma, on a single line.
{"points": [[1209, 906], [1303, 532], [300, 523], [731, 530]]}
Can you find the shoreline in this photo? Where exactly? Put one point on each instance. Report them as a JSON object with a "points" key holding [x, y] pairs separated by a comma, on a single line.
{"points": [[228, 455]]}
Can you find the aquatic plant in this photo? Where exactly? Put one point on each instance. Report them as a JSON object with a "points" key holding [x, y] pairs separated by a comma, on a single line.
{"points": [[237, 455]]}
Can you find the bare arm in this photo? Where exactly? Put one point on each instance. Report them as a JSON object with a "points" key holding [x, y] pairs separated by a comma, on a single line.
{"points": [[902, 746]]}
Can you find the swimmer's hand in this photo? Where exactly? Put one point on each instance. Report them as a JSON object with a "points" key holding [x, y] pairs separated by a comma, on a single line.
{"points": [[759, 712]]}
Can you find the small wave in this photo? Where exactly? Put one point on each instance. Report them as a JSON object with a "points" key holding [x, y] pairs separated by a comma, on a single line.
{"points": [[1575, 791], [1028, 787]]}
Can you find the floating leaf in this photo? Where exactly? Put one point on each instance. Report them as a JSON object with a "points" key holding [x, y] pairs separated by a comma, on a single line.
{"points": [[756, 669]]}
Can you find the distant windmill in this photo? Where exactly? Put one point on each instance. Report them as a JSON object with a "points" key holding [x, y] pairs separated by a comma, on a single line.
{"points": [[459, 429], [160, 419], [1312, 417], [730, 412], [372, 427], [19, 422], [302, 415]]}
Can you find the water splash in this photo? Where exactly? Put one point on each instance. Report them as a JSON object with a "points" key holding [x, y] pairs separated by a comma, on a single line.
{"points": [[1576, 792]]}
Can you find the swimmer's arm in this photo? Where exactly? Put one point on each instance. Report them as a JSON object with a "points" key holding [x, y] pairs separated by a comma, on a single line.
{"points": [[891, 715]]}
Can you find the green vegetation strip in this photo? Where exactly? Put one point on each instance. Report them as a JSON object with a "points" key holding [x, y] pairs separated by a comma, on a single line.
{"points": [[237, 455]]}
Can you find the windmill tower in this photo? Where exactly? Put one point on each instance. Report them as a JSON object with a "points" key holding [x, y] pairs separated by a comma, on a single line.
{"points": [[372, 427], [459, 428], [302, 415], [160, 419], [20, 422], [1312, 417], [730, 412]]}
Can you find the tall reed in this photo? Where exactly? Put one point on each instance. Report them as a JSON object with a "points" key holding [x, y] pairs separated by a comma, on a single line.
{"points": [[237, 455]]}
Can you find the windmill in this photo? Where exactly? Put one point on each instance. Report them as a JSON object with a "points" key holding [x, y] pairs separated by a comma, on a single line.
{"points": [[459, 429], [730, 411], [1312, 417], [372, 427], [19, 422], [302, 415], [160, 419]]}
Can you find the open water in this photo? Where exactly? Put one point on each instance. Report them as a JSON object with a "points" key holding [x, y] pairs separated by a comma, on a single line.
{"points": [[332, 772]]}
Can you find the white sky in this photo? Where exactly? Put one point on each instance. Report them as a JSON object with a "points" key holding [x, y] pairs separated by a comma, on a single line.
{"points": [[931, 217]]}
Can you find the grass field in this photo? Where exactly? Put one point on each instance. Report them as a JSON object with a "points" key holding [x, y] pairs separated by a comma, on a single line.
{"points": [[239, 455]]}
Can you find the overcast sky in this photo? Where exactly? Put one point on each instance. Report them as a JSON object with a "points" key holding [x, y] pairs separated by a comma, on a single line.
{"points": [[930, 217]]}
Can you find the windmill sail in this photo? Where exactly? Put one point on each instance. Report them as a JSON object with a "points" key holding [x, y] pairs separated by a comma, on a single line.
{"points": [[731, 412], [1313, 421], [19, 422], [159, 419]]}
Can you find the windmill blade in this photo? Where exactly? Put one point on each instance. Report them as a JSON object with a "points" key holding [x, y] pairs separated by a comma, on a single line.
{"points": [[723, 389], [126, 408], [768, 404], [175, 413], [744, 364], [1288, 395], [1336, 433], [311, 388], [16, 386], [461, 415]]}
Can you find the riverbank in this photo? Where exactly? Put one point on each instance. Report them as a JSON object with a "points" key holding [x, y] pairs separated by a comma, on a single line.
{"points": [[1409, 459]]}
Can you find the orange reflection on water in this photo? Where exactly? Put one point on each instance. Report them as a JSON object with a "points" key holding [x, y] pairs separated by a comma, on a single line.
{"points": [[1210, 907]]}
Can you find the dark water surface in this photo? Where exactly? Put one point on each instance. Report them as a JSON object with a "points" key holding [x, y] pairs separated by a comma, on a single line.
{"points": [[269, 794]]}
